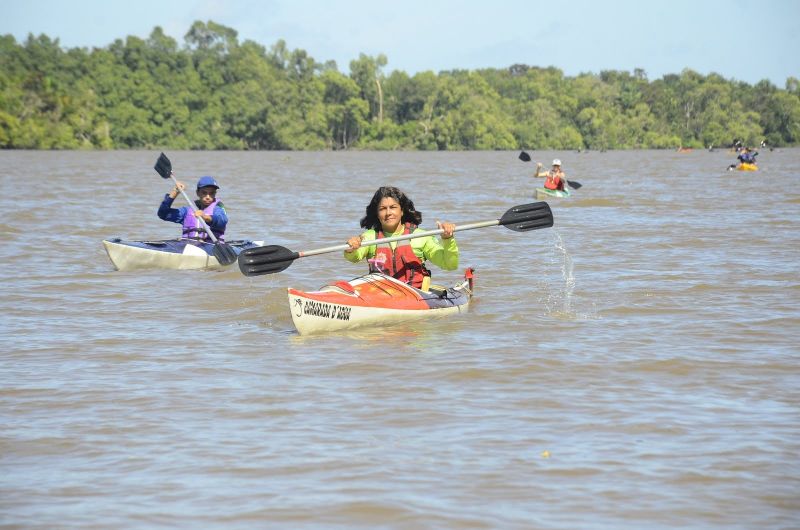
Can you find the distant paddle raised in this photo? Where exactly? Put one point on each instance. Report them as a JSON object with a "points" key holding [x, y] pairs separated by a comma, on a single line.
{"points": [[223, 252], [274, 258], [525, 157]]}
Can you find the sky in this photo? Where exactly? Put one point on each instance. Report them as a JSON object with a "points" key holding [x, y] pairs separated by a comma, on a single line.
{"points": [[744, 40]]}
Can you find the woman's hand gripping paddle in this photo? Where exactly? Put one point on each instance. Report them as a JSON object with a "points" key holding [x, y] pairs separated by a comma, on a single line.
{"points": [[223, 252], [274, 258]]}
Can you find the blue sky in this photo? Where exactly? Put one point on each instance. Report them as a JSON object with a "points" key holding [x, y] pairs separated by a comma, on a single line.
{"points": [[743, 40]]}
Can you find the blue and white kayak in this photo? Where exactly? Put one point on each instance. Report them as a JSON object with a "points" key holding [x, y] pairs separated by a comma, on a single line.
{"points": [[180, 254]]}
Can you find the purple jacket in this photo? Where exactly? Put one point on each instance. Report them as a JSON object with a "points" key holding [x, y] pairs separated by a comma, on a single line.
{"points": [[191, 226]]}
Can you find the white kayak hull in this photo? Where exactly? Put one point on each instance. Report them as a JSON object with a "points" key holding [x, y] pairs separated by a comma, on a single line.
{"points": [[175, 254], [372, 300]]}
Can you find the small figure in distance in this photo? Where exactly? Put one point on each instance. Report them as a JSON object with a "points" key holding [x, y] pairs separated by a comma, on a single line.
{"points": [[747, 156], [555, 179]]}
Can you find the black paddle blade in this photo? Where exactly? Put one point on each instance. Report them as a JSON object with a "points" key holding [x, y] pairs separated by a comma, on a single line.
{"points": [[574, 185], [164, 166], [224, 254], [525, 157], [528, 217], [266, 260]]}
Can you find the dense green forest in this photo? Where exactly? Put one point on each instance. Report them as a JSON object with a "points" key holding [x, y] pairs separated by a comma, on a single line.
{"points": [[214, 92]]}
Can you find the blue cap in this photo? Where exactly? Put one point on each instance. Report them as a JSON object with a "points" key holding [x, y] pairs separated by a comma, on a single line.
{"points": [[207, 181]]}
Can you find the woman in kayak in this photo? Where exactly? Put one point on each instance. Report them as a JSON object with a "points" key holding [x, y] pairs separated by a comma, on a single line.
{"points": [[392, 213], [555, 179], [207, 206]]}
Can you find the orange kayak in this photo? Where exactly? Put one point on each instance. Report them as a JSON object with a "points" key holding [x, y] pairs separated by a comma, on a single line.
{"points": [[374, 299]]}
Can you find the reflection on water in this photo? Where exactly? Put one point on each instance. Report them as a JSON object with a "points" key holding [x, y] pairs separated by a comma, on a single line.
{"points": [[647, 345]]}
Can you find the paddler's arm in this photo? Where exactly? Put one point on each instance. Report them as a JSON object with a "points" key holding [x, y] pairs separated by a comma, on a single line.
{"points": [[361, 252], [168, 213], [441, 252], [219, 218]]}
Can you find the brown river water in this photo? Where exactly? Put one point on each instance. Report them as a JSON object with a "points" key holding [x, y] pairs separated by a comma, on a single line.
{"points": [[635, 366]]}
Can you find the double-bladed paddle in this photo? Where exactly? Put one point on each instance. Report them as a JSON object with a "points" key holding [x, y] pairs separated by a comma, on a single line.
{"points": [[274, 258], [525, 157], [223, 252]]}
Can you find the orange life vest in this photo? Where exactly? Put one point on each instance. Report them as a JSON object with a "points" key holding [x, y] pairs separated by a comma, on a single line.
{"points": [[553, 181], [401, 262]]}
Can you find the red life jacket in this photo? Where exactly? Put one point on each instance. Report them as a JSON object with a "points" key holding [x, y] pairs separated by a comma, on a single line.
{"points": [[401, 262], [553, 181]]}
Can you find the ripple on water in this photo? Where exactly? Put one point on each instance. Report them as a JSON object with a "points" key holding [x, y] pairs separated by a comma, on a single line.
{"points": [[644, 348]]}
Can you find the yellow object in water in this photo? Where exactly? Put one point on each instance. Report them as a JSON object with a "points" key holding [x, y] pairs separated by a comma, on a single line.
{"points": [[744, 166]]}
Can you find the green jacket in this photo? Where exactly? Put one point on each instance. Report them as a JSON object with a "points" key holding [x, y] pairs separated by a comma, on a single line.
{"points": [[441, 252]]}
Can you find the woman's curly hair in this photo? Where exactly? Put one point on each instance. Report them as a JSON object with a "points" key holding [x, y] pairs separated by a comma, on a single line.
{"points": [[410, 214]]}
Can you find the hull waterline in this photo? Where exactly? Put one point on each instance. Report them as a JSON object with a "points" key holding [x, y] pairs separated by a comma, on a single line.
{"points": [[544, 194]]}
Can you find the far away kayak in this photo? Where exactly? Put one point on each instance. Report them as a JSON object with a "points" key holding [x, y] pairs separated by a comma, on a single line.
{"points": [[544, 193], [168, 253]]}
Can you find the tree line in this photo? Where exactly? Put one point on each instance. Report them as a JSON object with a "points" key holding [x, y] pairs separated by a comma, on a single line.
{"points": [[215, 92]]}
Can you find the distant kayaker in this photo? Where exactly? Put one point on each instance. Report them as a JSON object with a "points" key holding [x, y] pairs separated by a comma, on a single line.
{"points": [[392, 213], [747, 156], [207, 206], [555, 179]]}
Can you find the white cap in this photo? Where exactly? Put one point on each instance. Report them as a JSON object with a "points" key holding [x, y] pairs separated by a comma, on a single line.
{"points": [[556, 162]]}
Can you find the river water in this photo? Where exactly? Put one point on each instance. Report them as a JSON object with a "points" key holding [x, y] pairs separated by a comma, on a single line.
{"points": [[636, 366]]}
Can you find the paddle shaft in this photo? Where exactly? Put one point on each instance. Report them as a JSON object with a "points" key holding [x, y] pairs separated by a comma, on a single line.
{"points": [[270, 259], [338, 248], [191, 211]]}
